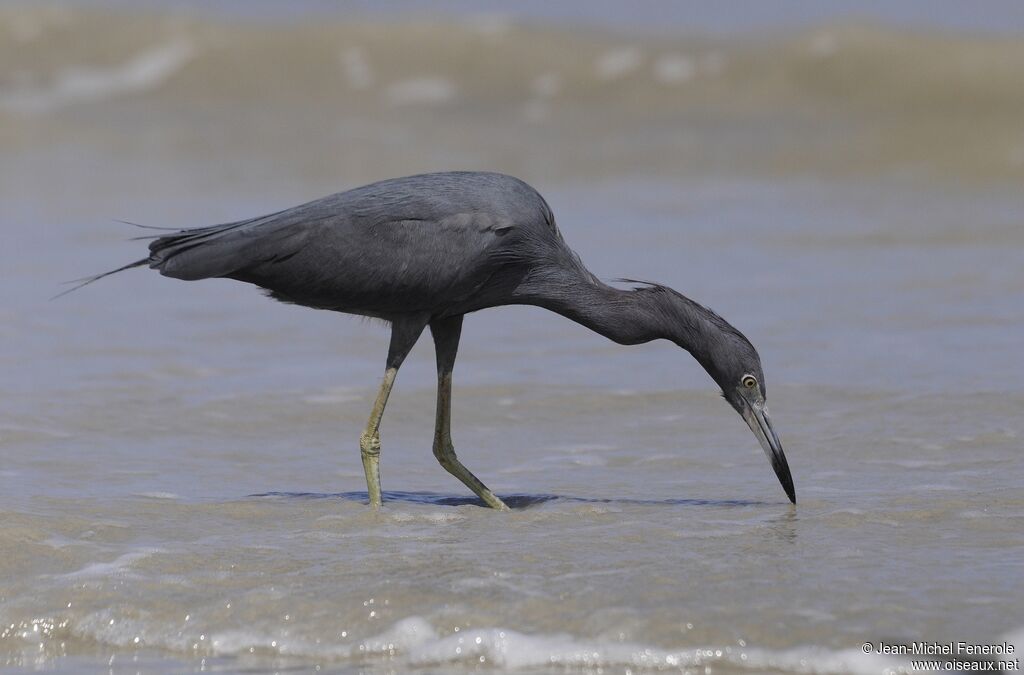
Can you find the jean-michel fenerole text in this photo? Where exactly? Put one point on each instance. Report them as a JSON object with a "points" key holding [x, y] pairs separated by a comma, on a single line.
{"points": [[946, 649]]}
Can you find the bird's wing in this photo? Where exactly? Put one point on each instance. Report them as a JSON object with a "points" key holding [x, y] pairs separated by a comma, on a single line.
{"points": [[220, 250], [384, 266], [411, 244]]}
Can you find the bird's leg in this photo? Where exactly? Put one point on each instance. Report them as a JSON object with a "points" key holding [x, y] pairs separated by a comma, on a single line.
{"points": [[446, 334], [404, 333], [444, 451], [369, 440]]}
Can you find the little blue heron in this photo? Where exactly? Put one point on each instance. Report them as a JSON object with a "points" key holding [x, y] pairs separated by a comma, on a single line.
{"points": [[425, 251]]}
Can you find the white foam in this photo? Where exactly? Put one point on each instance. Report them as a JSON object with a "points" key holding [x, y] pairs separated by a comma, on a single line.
{"points": [[158, 495], [674, 69], [421, 91], [146, 71], [230, 642], [410, 633], [511, 649], [406, 634], [618, 63], [357, 68], [117, 566], [414, 642], [435, 517]]}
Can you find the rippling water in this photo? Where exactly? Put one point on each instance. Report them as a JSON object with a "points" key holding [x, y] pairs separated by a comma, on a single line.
{"points": [[180, 486]]}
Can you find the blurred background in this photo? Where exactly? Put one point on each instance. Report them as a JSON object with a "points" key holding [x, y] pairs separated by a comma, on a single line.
{"points": [[841, 180], [329, 94]]}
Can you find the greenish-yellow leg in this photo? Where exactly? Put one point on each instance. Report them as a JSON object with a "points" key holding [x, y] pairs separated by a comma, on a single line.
{"points": [[369, 441], [405, 331], [445, 451]]}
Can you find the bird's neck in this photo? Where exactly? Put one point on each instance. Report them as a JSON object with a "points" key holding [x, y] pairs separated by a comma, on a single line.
{"points": [[632, 316]]}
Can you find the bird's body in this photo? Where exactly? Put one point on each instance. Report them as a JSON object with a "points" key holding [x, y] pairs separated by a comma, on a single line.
{"points": [[441, 244], [425, 251]]}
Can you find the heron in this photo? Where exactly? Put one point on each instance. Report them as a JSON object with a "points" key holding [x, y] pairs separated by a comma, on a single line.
{"points": [[425, 251]]}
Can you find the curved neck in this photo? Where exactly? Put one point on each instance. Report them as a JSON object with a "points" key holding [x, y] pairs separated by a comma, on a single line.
{"points": [[629, 317]]}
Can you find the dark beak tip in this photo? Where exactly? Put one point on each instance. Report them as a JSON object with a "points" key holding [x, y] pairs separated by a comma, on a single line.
{"points": [[786, 478], [787, 485], [761, 425]]}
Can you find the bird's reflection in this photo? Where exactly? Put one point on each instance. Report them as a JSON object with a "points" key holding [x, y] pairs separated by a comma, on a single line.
{"points": [[518, 501], [783, 527]]}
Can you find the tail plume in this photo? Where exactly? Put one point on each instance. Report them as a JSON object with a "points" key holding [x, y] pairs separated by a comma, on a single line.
{"points": [[85, 281]]}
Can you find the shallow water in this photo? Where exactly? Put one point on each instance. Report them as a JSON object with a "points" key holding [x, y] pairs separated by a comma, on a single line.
{"points": [[180, 486]]}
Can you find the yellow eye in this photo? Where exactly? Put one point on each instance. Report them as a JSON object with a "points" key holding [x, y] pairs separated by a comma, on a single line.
{"points": [[749, 381]]}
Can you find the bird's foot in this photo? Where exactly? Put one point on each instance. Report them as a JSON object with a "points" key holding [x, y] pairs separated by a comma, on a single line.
{"points": [[445, 454], [493, 500], [369, 450]]}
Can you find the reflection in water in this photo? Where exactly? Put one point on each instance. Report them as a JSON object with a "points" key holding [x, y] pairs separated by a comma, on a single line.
{"points": [[783, 527], [514, 501]]}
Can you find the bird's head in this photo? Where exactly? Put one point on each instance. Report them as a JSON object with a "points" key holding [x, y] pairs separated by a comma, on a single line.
{"points": [[734, 364], [731, 360]]}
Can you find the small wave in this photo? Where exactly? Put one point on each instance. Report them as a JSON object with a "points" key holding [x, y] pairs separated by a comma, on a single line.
{"points": [[158, 495], [435, 518], [618, 63], [357, 68], [519, 651], [421, 91], [146, 71], [334, 396], [857, 93], [119, 565], [674, 69], [413, 643]]}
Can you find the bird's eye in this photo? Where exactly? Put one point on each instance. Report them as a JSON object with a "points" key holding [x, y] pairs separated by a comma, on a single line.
{"points": [[749, 381]]}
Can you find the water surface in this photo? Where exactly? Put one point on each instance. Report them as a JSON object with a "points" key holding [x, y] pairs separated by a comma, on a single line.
{"points": [[180, 486]]}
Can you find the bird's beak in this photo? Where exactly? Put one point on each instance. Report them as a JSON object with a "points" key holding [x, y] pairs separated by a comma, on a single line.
{"points": [[756, 416]]}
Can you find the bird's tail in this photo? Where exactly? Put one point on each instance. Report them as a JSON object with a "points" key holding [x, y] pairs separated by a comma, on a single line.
{"points": [[164, 248], [161, 249], [85, 281]]}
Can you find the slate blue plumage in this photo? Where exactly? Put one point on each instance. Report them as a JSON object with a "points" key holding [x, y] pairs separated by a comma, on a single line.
{"points": [[426, 250]]}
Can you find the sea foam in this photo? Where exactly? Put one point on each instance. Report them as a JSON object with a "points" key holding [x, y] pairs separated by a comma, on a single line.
{"points": [[145, 71]]}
